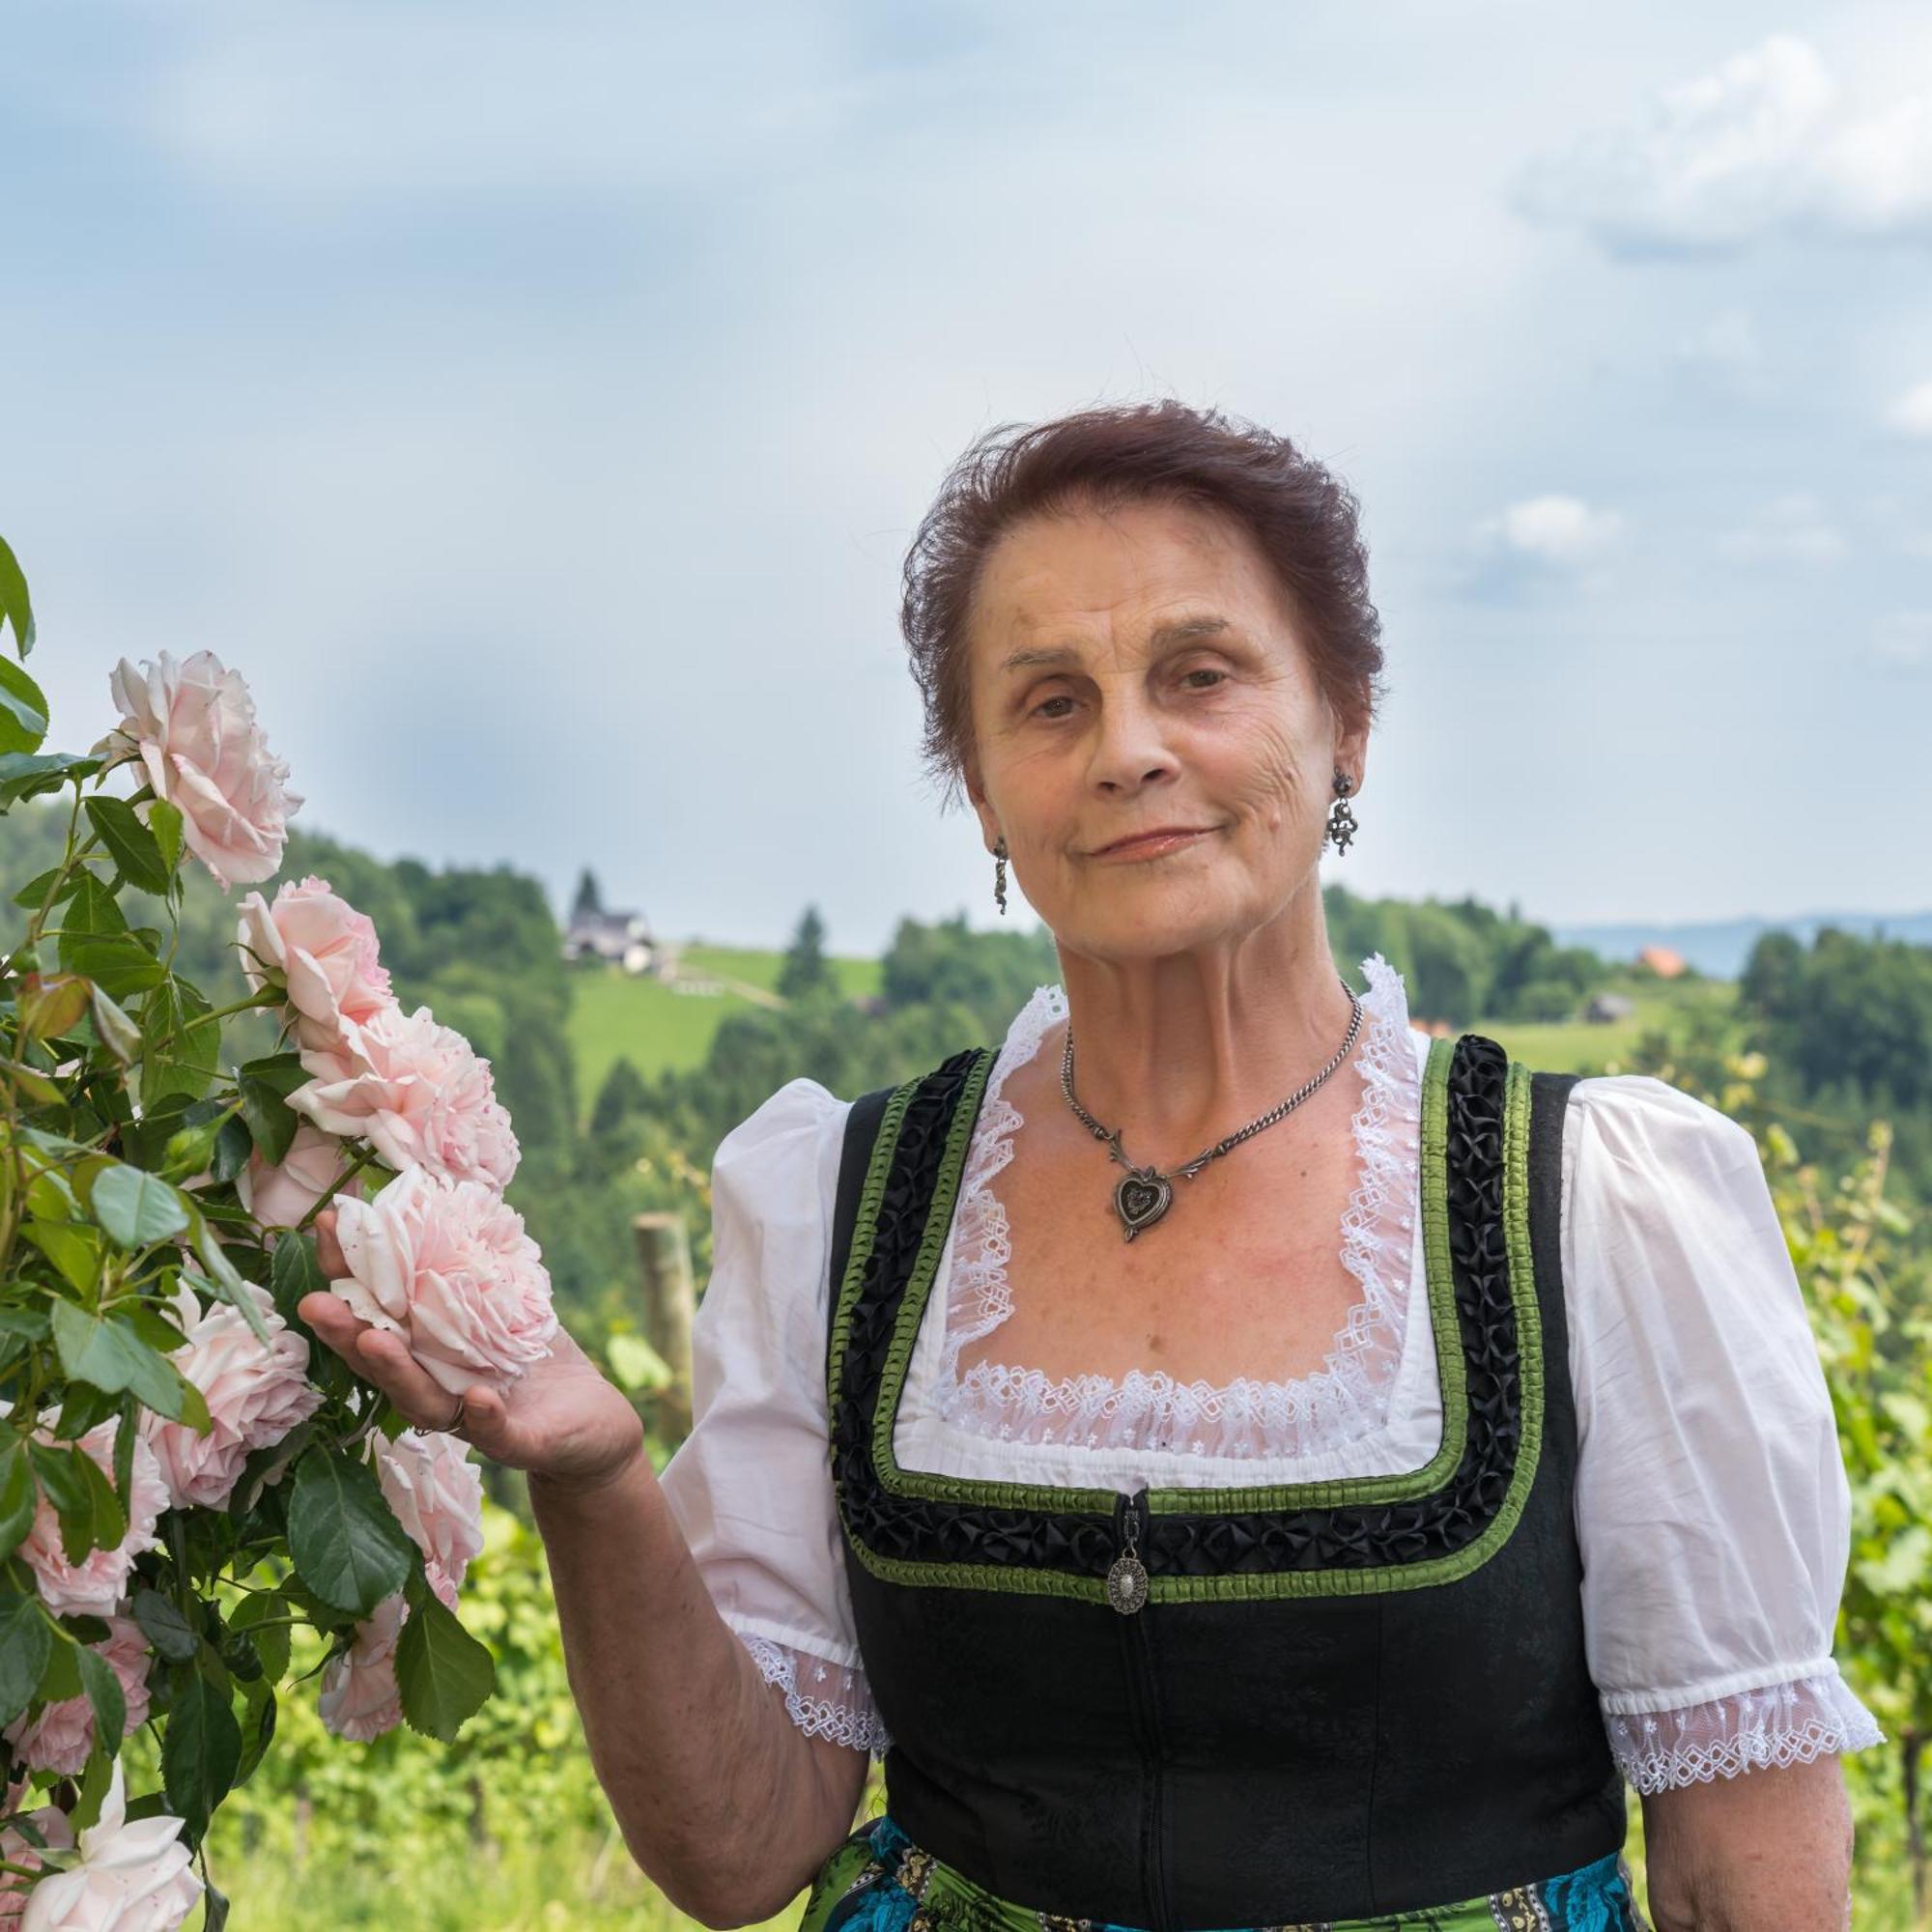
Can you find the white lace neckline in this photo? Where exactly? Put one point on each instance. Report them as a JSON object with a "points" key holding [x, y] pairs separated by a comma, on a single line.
{"points": [[1148, 1410]]}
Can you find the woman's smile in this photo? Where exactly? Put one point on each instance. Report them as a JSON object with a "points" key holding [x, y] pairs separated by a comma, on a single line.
{"points": [[1151, 844]]}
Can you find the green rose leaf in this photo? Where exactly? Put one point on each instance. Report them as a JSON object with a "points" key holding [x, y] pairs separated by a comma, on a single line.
{"points": [[23, 710], [135, 848], [135, 1208], [107, 1354], [259, 1616], [265, 1086], [24, 1642], [258, 1726], [293, 1272], [115, 962], [164, 1626], [58, 1468], [347, 1547], [201, 1750], [18, 1496], [104, 1692], [181, 1056], [75, 1249], [60, 1679], [16, 607], [113, 1027], [443, 1673], [27, 774]]}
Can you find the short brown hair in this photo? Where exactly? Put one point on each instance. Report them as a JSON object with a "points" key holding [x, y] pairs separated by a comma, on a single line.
{"points": [[1303, 518]]}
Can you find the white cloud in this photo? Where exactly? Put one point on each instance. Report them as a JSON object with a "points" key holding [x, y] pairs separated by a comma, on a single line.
{"points": [[1554, 530], [1793, 528], [1912, 412], [1766, 142], [1903, 641]]}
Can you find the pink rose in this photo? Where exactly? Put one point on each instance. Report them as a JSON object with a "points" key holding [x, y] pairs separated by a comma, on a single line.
{"points": [[278, 1197], [93, 1585], [418, 1091], [192, 726], [17, 1849], [447, 1265], [321, 951], [437, 1493], [254, 1395], [358, 1698], [130, 1877], [61, 1737]]}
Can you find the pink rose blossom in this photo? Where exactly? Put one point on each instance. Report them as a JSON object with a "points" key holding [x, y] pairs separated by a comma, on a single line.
{"points": [[93, 1585], [254, 1395], [192, 726], [17, 1849], [321, 951], [131, 1876], [447, 1265], [359, 1699], [61, 1737], [278, 1197], [437, 1493], [418, 1091]]}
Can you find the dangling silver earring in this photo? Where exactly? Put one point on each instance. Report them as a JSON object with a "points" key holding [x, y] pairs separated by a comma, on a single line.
{"points": [[1000, 873], [1341, 821]]}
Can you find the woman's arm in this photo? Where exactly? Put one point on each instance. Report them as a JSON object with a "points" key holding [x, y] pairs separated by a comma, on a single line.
{"points": [[724, 1801], [721, 1799], [1767, 1851]]}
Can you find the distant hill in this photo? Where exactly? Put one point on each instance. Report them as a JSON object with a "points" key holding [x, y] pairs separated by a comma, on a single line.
{"points": [[1720, 946]]}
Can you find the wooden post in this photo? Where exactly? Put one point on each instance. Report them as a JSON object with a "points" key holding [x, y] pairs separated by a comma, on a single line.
{"points": [[670, 1300]]}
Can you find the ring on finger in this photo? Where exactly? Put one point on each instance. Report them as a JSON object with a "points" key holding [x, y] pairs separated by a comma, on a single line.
{"points": [[454, 1426]]}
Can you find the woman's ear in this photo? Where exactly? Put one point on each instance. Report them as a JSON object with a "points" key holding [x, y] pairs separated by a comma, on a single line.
{"points": [[989, 822]]}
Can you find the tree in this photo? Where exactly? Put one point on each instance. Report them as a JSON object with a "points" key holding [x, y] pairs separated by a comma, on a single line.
{"points": [[806, 969], [587, 900]]}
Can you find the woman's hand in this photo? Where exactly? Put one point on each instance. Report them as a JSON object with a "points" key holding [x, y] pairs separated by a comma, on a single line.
{"points": [[564, 1420]]}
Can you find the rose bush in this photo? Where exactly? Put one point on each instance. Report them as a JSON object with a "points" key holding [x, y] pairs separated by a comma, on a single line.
{"points": [[188, 1475]]}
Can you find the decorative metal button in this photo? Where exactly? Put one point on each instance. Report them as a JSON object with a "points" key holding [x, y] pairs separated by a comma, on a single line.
{"points": [[1127, 1584]]}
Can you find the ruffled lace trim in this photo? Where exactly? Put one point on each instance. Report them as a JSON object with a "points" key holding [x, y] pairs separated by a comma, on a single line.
{"points": [[838, 1703], [1780, 1725], [1148, 1410]]}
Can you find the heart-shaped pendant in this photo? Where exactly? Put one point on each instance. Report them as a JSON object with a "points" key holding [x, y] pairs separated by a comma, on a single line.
{"points": [[1141, 1197]]}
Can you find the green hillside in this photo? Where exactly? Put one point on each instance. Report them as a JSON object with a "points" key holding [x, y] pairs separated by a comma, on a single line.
{"points": [[659, 1028]]}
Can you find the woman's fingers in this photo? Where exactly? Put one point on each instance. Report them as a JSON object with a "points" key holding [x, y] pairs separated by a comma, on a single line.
{"points": [[388, 1363], [328, 1255], [379, 1355]]}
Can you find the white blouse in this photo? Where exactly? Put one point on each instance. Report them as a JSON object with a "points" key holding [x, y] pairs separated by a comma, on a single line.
{"points": [[1712, 1505]]}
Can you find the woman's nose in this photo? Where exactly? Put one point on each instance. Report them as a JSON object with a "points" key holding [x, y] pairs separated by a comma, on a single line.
{"points": [[1130, 750]]}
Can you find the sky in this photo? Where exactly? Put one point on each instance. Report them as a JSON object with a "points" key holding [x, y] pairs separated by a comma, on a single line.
{"points": [[534, 404]]}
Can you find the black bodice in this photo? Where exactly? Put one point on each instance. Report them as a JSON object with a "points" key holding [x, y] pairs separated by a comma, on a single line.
{"points": [[1337, 1698]]}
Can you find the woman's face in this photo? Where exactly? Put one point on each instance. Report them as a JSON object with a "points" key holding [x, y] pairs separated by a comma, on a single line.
{"points": [[1135, 668]]}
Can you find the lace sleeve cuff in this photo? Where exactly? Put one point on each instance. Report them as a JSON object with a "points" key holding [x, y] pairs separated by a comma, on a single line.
{"points": [[1783, 1723], [823, 1699]]}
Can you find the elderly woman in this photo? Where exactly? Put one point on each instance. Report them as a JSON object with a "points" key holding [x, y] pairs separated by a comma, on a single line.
{"points": [[1241, 1461]]}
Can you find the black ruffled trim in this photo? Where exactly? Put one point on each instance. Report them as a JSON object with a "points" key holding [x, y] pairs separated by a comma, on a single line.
{"points": [[1081, 1542]]}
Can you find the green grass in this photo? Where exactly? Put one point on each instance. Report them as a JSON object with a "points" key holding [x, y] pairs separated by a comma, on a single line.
{"points": [[584, 1884], [1579, 1046], [658, 1028]]}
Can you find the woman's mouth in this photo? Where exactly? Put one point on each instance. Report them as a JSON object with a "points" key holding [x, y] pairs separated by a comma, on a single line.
{"points": [[1152, 845]]}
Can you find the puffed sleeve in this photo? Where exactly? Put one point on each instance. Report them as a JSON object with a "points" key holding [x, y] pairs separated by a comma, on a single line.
{"points": [[1712, 1505], [750, 1485]]}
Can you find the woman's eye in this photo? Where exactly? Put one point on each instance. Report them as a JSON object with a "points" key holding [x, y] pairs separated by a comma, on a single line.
{"points": [[1039, 709], [1207, 670]]}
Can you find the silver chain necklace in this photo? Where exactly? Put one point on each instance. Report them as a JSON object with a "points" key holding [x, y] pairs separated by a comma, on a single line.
{"points": [[1144, 1194]]}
